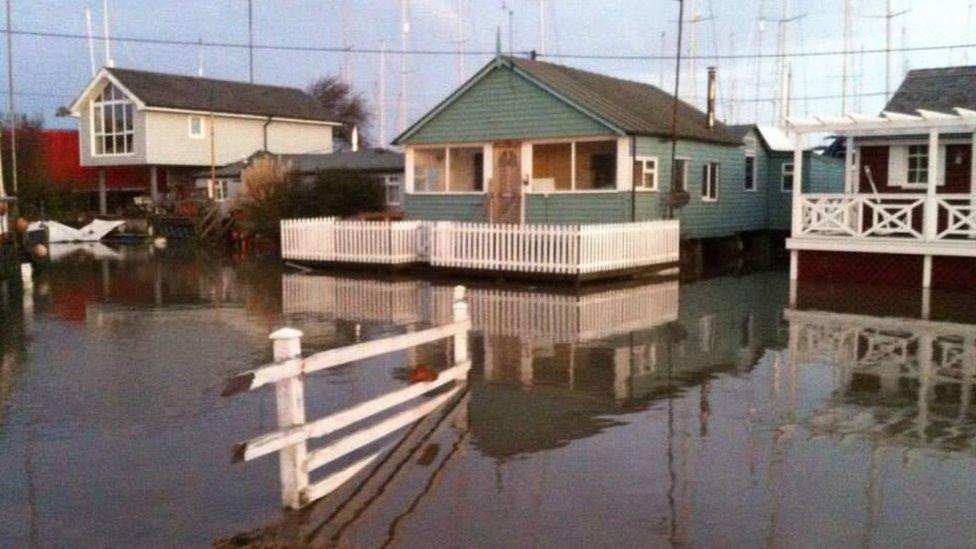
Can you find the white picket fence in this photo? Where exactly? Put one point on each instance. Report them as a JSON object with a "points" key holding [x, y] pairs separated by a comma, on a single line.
{"points": [[559, 249], [351, 241], [296, 460]]}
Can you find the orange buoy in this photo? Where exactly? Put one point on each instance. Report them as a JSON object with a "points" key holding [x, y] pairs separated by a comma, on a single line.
{"points": [[422, 373], [21, 225], [40, 251]]}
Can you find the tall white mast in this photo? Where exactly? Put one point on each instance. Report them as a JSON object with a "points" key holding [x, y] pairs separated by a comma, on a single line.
{"points": [[459, 39], [760, 27], [108, 45], [382, 86], [845, 57], [542, 27], [404, 31], [346, 71], [91, 42], [200, 58], [888, 16]]}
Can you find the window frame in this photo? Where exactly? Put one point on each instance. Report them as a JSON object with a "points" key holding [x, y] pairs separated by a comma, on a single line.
{"points": [[573, 171], [447, 170], [750, 184], [656, 172], [782, 177], [711, 171], [686, 165], [387, 183], [98, 105], [203, 126]]}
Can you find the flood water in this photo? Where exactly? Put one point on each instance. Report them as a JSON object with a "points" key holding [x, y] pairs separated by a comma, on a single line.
{"points": [[710, 413]]}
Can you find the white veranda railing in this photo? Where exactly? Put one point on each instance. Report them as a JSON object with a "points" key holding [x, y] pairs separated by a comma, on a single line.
{"points": [[863, 215], [957, 216]]}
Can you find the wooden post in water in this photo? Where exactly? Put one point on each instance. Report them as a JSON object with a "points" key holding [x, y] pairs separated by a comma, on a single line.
{"points": [[290, 393], [460, 312]]}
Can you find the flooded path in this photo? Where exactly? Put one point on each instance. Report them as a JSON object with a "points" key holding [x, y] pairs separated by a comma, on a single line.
{"points": [[705, 414]]}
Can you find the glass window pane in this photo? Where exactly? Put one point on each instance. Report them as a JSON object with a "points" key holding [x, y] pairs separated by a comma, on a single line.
{"points": [[109, 145], [467, 169], [118, 121], [681, 172], [99, 146], [596, 165], [119, 144], [128, 142], [552, 166], [128, 117], [97, 119], [429, 170], [106, 119]]}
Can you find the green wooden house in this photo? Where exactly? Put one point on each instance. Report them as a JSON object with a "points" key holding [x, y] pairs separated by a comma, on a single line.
{"points": [[525, 141]]}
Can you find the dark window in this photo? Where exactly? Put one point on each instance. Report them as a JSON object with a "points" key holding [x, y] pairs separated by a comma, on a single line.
{"points": [[750, 182]]}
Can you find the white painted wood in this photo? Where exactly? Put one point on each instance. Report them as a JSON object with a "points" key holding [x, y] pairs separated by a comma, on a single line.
{"points": [[850, 175], [931, 221], [797, 183], [883, 245], [330, 483], [350, 443], [927, 271], [290, 398], [276, 440]]}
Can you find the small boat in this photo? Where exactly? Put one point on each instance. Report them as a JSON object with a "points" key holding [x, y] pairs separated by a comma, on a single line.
{"points": [[92, 232]]}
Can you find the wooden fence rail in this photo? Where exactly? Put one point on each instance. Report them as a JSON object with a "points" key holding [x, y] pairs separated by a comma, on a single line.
{"points": [[353, 241], [291, 439]]}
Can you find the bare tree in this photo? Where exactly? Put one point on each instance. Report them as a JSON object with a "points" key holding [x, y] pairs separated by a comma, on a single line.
{"points": [[347, 106]]}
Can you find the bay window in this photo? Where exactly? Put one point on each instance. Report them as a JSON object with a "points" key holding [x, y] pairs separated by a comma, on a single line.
{"points": [[112, 126], [448, 169]]}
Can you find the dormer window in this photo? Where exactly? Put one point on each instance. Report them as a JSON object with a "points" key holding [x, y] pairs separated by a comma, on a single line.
{"points": [[196, 126], [112, 123]]}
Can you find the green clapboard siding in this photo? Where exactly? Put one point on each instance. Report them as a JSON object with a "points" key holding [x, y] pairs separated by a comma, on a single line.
{"points": [[820, 175], [504, 105], [561, 209], [736, 209], [448, 207]]}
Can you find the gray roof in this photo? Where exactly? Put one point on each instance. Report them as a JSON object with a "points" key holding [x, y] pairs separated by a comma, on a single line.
{"points": [[370, 160], [935, 90], [207, 94], [634, 107]]}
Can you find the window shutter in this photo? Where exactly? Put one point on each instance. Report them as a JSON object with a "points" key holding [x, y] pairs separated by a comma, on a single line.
{"points": [[897, 166]]}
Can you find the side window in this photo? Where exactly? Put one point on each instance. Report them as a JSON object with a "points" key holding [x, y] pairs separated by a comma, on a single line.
{"points": [[750, 182], [196, 126], [710, 172], [786, 177], [645, 173]]}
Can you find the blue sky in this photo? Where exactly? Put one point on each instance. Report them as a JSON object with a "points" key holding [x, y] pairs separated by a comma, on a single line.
{"points": [[49, 71]]}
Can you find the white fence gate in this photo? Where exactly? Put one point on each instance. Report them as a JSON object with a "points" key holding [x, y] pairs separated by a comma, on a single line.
{"points": [[287, 373]]}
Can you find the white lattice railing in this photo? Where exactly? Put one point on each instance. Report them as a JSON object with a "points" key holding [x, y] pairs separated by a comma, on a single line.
{"points": [[957, 216], [330, 239], [558, 249], [862, 215]]}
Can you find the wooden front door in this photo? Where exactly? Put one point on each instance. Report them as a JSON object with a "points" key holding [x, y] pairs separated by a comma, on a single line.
{"points": [[506, 183]]}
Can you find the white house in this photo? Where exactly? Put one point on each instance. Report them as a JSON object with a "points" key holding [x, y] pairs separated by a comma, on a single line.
{"points": [[182, 123]]}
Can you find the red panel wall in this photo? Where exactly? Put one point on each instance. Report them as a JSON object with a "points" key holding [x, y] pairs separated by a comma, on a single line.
{"points": [[63, 167]]}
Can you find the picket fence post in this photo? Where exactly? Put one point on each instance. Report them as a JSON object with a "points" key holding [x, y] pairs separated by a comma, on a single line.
{"points": [[290, 397]]}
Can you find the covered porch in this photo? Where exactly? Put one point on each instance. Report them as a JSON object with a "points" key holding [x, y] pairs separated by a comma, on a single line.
{"points": [[908, 187]]}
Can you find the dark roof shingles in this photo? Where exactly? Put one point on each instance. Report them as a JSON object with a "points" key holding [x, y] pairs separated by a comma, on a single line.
{"points": [[938, 90], [633, 107], [226, 96]]}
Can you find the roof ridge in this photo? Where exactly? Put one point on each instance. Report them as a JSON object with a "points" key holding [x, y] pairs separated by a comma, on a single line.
{"points": [[206, 78]]}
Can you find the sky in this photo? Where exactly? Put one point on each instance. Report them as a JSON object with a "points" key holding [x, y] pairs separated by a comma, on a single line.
{"points": [[50, 71]]}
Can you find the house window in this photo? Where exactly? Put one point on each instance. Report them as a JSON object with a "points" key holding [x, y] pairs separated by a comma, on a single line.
{"points": [[449, 169], [394, 188], [750, 181], [710, 181], [786, 177], [645, 173], [574, 166], [680, 174], [112, 123], [196, 126], [918, 164]]}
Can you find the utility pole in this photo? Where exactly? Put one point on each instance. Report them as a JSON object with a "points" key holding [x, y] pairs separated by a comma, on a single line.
{"points": [[250, 41], [693, 21], [10, 104], [888, 16], [404, 31]]}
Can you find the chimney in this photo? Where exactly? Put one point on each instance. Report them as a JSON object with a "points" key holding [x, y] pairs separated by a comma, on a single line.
{"points": [[712, 86]]}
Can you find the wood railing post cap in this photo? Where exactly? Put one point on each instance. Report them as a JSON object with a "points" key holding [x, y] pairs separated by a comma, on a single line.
{"points": [[285, 333]]}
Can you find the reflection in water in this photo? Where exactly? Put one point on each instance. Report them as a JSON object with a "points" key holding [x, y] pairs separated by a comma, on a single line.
{"points": [[699, 414]]}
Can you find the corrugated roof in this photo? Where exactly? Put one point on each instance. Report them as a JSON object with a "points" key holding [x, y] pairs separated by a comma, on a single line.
{"points": [[774, 139], [207, 94], [939, 89], [633, 107]]}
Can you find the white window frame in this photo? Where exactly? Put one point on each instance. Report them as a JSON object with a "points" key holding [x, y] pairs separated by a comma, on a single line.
{"points": [[686, 163], [711, 171], [782, 177], [203, 126], [485, 179], [755, 170], [99, 105], [656, 172], [898, 162], [572, 161], [388, 181]]}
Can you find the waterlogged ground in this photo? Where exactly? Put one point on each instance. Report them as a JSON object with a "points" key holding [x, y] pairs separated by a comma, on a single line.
{"points": [[704, 414]]}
